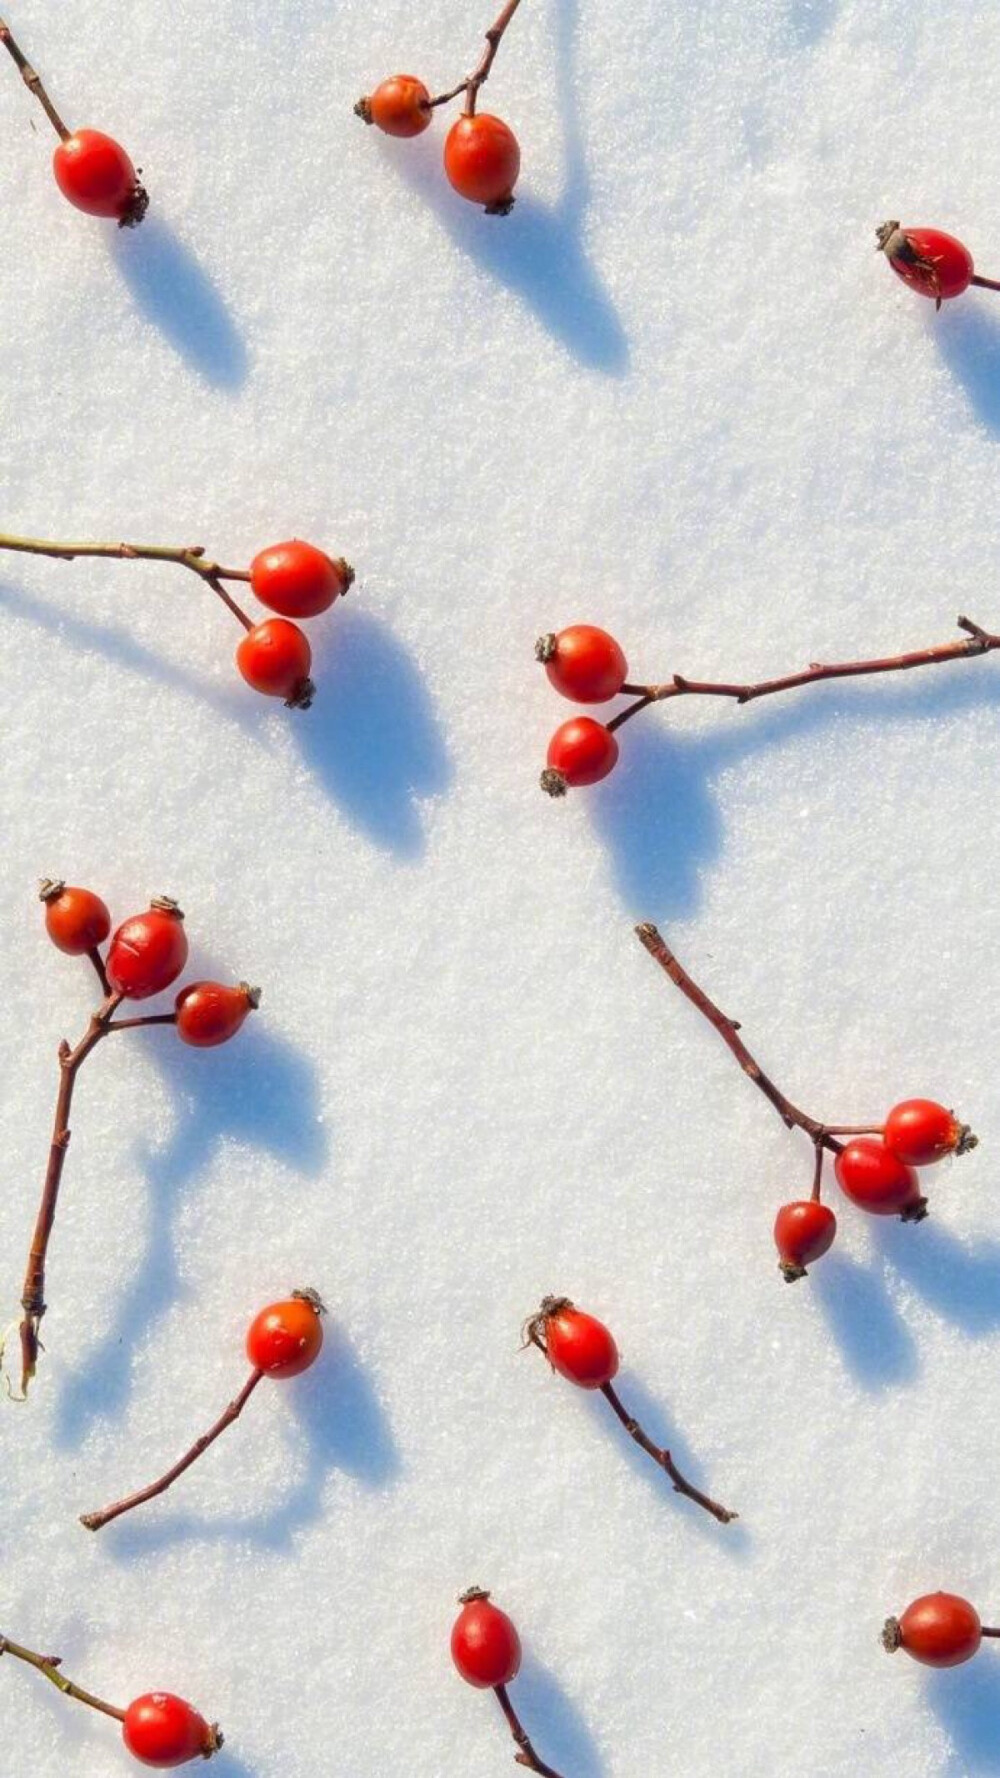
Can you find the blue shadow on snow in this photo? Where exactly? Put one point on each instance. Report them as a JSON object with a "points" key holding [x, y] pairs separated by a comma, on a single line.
{"points": [[967, 334], [172, 289], [876, 1345], [966, 1701], [558, 1730]]}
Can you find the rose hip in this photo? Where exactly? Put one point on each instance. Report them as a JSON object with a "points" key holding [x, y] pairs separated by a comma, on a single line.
{"points": [[209, 1013], [482, 160], [939, 1630], [162, 1730], [583, 663], [96, 175], [485, 1646], [298, 580], [920, 1132], [274, 658], [877, 1181], [400, 106], [803, 1232], [148, 951], [76, 920], [930, 262], [582, 751]]}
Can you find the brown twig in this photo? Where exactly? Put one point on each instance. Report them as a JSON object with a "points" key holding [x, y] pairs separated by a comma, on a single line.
{"points": [[664, 1459], [527, 1755], [32, 81], [212, 573], [49, 1665], [978, 641], [471, 85], [95, 1521]]}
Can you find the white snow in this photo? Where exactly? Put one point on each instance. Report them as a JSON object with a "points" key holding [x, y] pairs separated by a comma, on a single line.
{"points": [[677, 392]]}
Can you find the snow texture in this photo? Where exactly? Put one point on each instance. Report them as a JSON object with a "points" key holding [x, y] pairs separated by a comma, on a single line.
{"points": [[677, 392]]}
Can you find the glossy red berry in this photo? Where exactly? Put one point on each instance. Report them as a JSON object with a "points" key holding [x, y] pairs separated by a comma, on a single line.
{"points": [[96, 175], [275, 657], [148, 951], [285, 1338], [930, 262], [298, 580], [919, 1132], [583, 663], [876, 1180], [161, 1730], [211, 1012], [576, 1345], [940, 1630], [482, 160], [75, 919], [485, 1646], [400, 106], [803, 1232], [582, 751]]}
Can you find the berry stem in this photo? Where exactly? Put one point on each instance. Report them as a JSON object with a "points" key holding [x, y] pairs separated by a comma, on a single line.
{"points": [[32, 81], [821, 1134], [154, 1018], [33, 1293], [664, 1459], [94, 1521], [985, 284], [527, 1756], [212, 573], [986, 1632], [978, 641], [102, 975], [471, 85], [49, 1666]]}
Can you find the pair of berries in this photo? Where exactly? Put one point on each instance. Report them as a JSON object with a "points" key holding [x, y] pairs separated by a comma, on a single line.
{"points": [[938, 1630], [146, 955], [878, 1174], [587, 665], [297, 580], [482, 157]]}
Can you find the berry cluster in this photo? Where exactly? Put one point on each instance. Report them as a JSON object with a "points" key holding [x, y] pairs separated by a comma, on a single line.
{"points": [[482, 157], [146, 955], [294, 579]]}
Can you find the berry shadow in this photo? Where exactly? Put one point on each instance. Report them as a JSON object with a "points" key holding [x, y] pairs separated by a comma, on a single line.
{"points": [[557, 1727], [335, 1424], [966, 1702], [734, 1538], [172, 290], [258, 1092], [958, 1282], [810, 20], [372, 741], [539, 251], [967, 334], [658, 815], [875, 1344]]}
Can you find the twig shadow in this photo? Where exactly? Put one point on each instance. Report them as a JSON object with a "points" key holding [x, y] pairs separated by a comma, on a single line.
{"points": [[960, 1283], [875, 1343], [539, 251], [557, 1727], [338, 1423], [372, 741], [258, 1091], [966, 1702], [662, 1429], [172, 289], [967, 335]]}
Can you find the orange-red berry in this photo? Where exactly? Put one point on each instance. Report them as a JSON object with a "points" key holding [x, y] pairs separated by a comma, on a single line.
{"points": [[75, 919], [482, 160], [400, 106], [298, 580], [148, 951], [878, 1181], [939, 1630], [803, 1232], [919, 1132], [930, 262], [285, 1338], [209, 1013], [583, 663], [582, 751], [274, 658], [94, 173], [576, 1345], [162, 1730], [485, 1646]]}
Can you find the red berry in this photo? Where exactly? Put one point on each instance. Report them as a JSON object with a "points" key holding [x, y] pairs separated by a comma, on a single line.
{"points": [[210, 1012], [482, 161], [930, 262], [401, 106], [803, 1231], [297, 579], [485, 1646], [75, 919], [940, 1630], [919, 1132], [149, 951], [876, 1180], [576, 1345], [96, 175], [583, 663], [285, 1338], [161, 1730], [581, 752], [274, 657]]}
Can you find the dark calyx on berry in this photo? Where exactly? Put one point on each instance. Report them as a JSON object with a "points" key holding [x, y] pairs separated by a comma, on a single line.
{"points": [[552, 782]]}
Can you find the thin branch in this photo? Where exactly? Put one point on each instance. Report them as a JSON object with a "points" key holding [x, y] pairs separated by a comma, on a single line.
{"points": [[102, 975], [664, 1459], [212, 573], [527, 1755], [791, 1116], [95, 1521], [470, 86], [153, 1018], [978, 641], [986, 284], [33, 81], [49, 1665], [33, 1292]]}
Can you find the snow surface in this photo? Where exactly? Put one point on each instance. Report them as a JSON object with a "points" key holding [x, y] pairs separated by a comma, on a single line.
{"points": [[676, 392]]}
